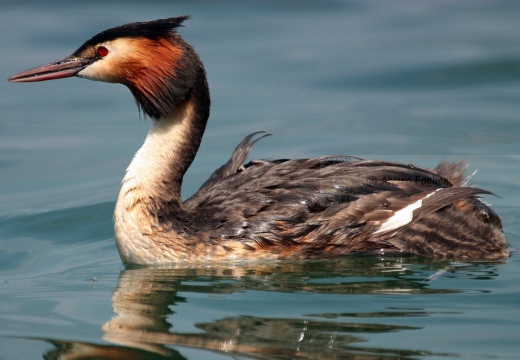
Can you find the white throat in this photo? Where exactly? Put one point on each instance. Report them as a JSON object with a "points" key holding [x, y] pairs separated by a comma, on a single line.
{"points": [[151, 166], [149, 181]]}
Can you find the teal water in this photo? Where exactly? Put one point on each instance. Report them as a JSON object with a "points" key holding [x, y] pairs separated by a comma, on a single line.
{"points": [[408, 81]]}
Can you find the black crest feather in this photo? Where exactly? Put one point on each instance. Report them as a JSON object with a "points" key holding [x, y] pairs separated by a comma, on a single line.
{"points": [[150, 29]]}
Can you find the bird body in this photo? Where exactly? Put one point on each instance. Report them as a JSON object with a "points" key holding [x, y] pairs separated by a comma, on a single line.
{"points": [[264, 209]]}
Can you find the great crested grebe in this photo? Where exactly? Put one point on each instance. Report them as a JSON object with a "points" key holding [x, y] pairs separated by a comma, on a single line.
{"points": [[265, 209]]}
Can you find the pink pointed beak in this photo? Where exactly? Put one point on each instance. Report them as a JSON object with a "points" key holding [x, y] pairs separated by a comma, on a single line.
{"points": [[63, 68]]}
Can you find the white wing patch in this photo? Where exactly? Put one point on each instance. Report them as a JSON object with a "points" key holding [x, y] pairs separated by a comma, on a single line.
{"points": [[403, 216]]}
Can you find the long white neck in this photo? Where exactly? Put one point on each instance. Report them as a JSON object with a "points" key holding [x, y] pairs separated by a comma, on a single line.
{"points": [[156, 171], [153, 180]]}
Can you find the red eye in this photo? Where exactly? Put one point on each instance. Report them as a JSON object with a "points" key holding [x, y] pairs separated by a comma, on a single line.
{"points": [[102, 51]]}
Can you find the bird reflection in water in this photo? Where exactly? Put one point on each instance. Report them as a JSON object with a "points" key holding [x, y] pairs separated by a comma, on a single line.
{"points": [[145, 299]]}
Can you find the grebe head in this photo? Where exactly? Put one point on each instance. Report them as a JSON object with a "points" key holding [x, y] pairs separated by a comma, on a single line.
{"points": [[150, 58]]}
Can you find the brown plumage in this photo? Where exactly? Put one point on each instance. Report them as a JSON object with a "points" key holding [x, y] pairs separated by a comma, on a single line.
{"points": [[265, 209]]}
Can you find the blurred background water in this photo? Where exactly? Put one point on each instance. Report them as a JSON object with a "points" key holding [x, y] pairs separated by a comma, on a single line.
{"points": [[417, 82]]}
